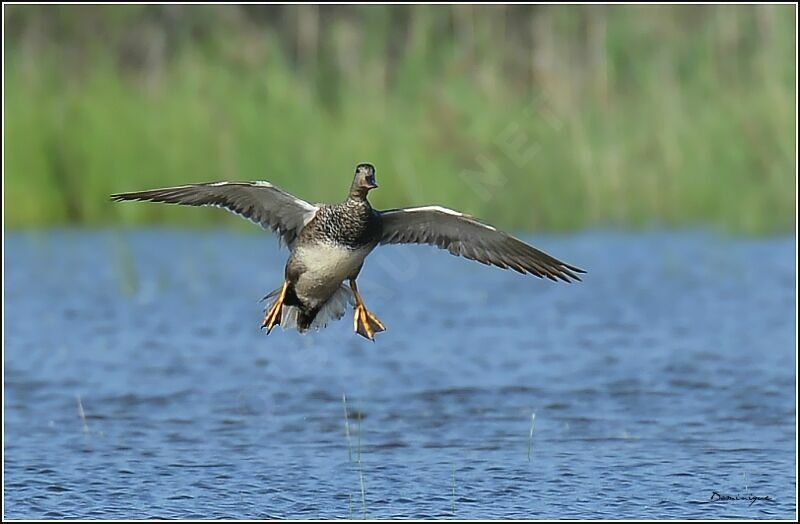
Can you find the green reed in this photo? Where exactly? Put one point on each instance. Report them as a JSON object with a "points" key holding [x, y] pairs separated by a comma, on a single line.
{"points": [[554, 117]]}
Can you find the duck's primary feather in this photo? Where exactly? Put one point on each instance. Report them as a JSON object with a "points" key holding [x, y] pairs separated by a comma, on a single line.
{"points": [[260, 202], [466, 236]]}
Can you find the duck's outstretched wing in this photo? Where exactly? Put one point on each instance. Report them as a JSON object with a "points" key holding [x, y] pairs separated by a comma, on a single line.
{"points": [[260, 202], [466, 236]]}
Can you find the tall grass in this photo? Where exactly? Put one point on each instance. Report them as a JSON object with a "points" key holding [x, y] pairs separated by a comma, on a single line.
{"points": [[547, 117]]}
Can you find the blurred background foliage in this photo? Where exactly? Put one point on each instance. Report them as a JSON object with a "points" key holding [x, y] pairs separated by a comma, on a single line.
{"points": [[532, 117]]}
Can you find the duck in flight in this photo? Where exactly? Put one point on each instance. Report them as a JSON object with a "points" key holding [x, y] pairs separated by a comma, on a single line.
{"points": [[329, 242]]}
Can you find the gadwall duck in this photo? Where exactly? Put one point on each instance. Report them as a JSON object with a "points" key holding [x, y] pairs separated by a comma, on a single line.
{"points": [[329, 242]]}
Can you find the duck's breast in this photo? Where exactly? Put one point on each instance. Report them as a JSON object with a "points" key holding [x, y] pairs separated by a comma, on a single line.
{"points": [[322, 266]]}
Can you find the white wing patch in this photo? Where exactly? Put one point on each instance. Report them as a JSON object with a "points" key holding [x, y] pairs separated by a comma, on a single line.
{"points": [[448, 211], [299, 201], [307, 205], [308, 217], [263, 183], [433, 208]]}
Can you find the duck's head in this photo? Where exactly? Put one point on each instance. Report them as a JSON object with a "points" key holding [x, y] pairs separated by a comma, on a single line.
{"points": [[363, 181]]}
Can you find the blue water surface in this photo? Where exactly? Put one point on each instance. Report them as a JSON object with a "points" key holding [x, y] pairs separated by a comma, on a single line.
{"points": [[138, 383]]}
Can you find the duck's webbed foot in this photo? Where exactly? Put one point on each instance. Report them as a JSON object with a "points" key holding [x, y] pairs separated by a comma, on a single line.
{"points": [[273, 316], [365, 323]]}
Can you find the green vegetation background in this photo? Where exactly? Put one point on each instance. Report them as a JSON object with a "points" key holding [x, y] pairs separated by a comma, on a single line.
{"points": [[532, 117]]}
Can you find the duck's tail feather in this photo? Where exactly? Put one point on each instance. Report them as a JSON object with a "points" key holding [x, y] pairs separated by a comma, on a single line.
{"points": [[295, 317], [334, 308], [271, 294]]}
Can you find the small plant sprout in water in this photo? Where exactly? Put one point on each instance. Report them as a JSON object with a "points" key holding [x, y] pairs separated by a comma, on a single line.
{"points": [[360, 470], [530, 437], [347, 430], [82, 414], [358, 457], [454, 490]]}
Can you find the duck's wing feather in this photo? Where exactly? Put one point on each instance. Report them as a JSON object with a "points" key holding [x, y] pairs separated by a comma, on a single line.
{"points": [[260, 202], [466, 236]]}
